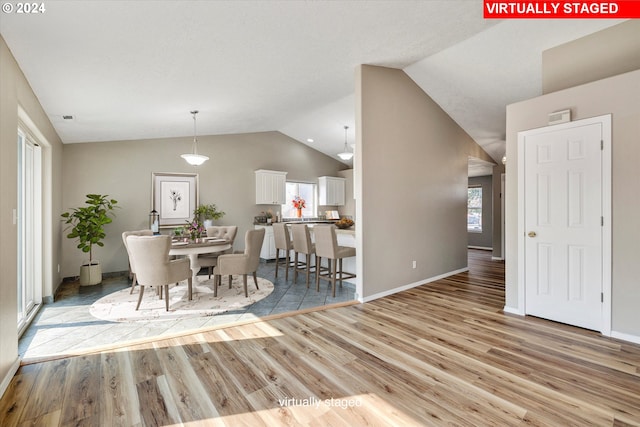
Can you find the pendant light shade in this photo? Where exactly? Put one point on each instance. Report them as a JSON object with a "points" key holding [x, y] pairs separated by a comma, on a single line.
{"points": [[194, 158], [346, 154]]}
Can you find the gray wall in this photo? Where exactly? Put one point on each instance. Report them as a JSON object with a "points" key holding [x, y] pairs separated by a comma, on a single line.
{"points": [[123, 170], [618, 96], [15, 92], [614, 50], [411, 173], [484, 239]]}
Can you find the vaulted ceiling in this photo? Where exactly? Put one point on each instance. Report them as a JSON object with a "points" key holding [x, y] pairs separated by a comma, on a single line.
{"points": [[128, 70]]}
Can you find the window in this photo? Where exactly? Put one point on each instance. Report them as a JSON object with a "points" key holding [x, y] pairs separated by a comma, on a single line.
{"points": [[307, 192], [474, 209]]}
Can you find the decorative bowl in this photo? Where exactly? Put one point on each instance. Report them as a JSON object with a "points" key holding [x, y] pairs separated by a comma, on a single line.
{"points": [[344, 223]]}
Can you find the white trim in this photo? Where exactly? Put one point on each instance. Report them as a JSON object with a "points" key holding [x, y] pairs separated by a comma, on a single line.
{"points": [[10, 374], [626, 337], [521, 242], [607, 227], [47, 201], [513, 310], [605, 122], [503, 213], [497, 258], [411, 285]]}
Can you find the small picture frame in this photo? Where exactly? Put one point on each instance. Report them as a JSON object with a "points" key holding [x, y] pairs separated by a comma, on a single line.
{"points": [[174, 196]]}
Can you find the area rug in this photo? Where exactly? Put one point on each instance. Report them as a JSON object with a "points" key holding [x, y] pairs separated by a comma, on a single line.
{"points": [[121, 306]]}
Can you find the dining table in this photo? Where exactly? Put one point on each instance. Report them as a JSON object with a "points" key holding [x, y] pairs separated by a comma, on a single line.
{"points": [[193, 248]]}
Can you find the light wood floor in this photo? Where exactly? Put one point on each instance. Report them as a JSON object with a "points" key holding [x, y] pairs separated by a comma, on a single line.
{"points": [[440, 354]]}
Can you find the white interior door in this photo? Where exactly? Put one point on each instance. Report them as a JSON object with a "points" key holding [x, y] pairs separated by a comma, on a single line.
{"points": [[563, 223]]}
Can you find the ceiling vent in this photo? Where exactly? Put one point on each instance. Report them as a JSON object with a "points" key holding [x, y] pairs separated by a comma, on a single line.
{"points": [[67, 117]]}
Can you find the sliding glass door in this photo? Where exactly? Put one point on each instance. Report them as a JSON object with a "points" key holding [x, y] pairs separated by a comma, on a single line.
{"points": [[29, 217]]}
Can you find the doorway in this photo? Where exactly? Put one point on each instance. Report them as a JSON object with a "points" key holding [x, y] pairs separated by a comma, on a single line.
{"points": [[564, 224]]}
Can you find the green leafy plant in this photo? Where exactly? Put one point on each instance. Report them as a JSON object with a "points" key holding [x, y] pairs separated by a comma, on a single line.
{"points": [[87, 222], [210, 211]]}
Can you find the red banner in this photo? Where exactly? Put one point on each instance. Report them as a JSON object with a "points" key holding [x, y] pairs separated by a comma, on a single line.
{"points": [[561, 9]]}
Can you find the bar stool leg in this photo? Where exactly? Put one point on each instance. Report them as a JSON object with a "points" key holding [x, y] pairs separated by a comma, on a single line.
{"points": [[318, 272], [288, 261], [334, 272]]}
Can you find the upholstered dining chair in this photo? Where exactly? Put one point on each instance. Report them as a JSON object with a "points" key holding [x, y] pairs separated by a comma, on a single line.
{"points": [[282, 242], [226, 232], [327, 247], [132, 272], [243, 263], [150, 259], [302, 245]]}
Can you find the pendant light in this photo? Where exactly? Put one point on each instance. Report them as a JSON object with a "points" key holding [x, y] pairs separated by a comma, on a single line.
{"points": [[346, 154], [194, 158]]}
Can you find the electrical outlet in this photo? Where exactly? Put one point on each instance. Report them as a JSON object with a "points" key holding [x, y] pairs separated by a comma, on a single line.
{"points": [[415, 264]]}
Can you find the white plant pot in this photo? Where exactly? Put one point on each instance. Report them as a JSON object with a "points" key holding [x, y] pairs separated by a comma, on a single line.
{"points": [[91, 274], [208, 223]]}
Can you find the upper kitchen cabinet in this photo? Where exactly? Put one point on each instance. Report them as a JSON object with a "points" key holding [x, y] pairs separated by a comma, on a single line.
{"points": [[331, 191], [270, 187]]}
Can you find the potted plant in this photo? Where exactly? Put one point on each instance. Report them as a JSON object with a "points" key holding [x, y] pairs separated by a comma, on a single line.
{"points": [[87, 225], [207, 214]]}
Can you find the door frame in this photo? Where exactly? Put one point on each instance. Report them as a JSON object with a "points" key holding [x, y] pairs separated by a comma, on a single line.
{"points": [[46, 186], [605, 122]]}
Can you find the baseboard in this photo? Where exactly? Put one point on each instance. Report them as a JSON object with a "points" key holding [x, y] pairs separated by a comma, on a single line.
{"points": [[512, 310], [497, 258], [7, 379], [482, 248], [105, 275], [626, 337], [411, 285]]}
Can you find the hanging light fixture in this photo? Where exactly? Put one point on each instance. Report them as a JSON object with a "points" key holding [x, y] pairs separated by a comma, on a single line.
{"points": [[194, 158], [346, 154]]}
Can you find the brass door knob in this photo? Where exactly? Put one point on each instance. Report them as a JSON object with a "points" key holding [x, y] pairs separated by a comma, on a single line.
{"points": [[532, 234]]}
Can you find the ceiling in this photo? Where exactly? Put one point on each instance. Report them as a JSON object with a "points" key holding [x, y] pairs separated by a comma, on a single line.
{"points": [[128, 70]]}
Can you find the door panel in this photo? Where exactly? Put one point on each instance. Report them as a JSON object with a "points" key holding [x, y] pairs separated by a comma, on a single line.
{"points": [[29, 268], [563, 211]]}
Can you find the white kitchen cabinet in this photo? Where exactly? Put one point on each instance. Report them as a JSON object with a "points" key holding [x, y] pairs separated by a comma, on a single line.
{"points": [[271, 187], [331, 191], [268, 250]]}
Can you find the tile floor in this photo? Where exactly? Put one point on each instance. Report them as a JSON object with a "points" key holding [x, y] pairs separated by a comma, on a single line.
{"points": [[66, 324]]}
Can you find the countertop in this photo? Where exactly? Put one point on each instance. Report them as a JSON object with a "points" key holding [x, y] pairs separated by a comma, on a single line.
{"points": [[311, 223]]}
